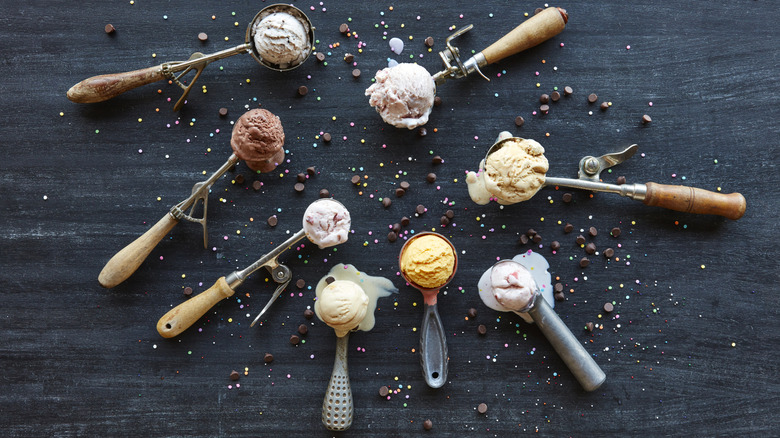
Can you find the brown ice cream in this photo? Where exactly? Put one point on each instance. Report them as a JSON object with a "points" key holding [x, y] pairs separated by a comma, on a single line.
{"points": [[258, 139]]}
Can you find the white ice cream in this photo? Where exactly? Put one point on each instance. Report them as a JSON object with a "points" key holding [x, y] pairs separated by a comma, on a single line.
{"points": [[281, 39], [403, 95]]}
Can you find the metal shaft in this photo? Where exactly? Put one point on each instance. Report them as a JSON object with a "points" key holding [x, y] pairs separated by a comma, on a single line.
{"points": [[235, 279], [633, 191]]}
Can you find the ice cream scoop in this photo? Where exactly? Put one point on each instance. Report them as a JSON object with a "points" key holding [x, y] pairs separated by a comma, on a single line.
{"points": [[258, 139], [346, 300], [187, 313], [514, 169], [326, 223], [510, 287], [428, 262], [403, 94], [279, 37]]}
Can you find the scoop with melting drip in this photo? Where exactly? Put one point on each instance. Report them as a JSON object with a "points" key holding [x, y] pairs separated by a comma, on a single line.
{"points": [[279, 37], [514, 169], [187, 313], [428, 262], [510, 287]]}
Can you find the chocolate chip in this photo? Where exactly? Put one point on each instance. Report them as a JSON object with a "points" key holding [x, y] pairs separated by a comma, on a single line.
{"points": [[303, 90], [384, 390], [450, 214], [519, 121], [555, 245], [239, 179], [523, 239], [621, 180], [592, 98], [567, 91], [580, 240], [320, 56], [326, 137], [481, 329], [355, 179], [472, 313], [343, 28], [203, 36], [589, 326], [324, 193], [584, 262], [422, 132], [437, 160], [272, 221], [311, 171], [590, 248], [538, 11], [615, 232], [392, 236], [223, 112], [257, 185], [559, 296], [268, 358], [544, 98], [420, 209], [301, 177], [558, 287], [531, 232], [303, 329], [187, 291], [299, 187], [295, 339], [567, 197], [386, 202], [427, 424], [431, 177], [608, 307], [555, 96], [646, 119], [609, 252], [404, 185], [568, 228], [544, 109], [405, 221], [329, 279], [356, 73], [436, 101], [396, 227], [110, 28], [593, 231], [444, 221], [300, 283], [308, 314], [482, 408], [234, 375], [604, 106], [429, 42], [348, 58], [537, 238], [399, 192]]}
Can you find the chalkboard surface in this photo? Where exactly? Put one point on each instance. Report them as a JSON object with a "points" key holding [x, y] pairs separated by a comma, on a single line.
{"points": [[689, 347]]}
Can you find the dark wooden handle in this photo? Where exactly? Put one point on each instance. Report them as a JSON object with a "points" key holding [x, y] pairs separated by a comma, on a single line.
{"points": [[104, 87], [693, 200], [125, 262], [186, 314], [537, 29]]}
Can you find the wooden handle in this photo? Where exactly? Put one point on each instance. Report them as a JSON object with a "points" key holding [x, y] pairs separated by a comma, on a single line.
{"points": [[181, 317], [537, 29], [693, 200], [104, 87], [125, 262]]}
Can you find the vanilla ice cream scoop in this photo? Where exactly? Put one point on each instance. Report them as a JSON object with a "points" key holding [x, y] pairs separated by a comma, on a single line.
{"points": [[326, 223], [513, 171], [342, 305], [403, 95], [281, 39]]}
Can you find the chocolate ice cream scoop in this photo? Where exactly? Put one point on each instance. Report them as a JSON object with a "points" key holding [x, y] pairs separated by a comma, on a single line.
{"points": [[258, 139]]}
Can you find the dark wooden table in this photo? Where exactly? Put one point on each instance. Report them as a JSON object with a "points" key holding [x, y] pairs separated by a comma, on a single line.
{"points": [[690, 349]]}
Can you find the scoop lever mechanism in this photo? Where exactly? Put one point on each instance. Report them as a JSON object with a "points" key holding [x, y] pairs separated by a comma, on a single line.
{"points": [[591, 167]]}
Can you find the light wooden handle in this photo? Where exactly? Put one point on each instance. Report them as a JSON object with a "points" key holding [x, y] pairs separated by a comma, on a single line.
{"points": [[693, 200], [537, 29], [186, 314], [125, 262], [104, 87]]}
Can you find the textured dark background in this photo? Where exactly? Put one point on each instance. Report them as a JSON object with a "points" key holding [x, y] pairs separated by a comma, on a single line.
{"points": [[691, 348]]}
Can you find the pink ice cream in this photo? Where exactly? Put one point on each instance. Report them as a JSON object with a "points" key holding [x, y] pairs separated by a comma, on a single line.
{"points": [[513, 287], [326, 222], [403, 95], [258, 139]]}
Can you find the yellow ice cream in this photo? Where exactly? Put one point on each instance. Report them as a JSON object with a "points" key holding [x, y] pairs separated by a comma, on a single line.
{"points": [[342, 305], [428, 261]]}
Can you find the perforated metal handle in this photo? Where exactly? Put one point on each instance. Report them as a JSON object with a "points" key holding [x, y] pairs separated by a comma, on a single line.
{"points": [[337, 407]]}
